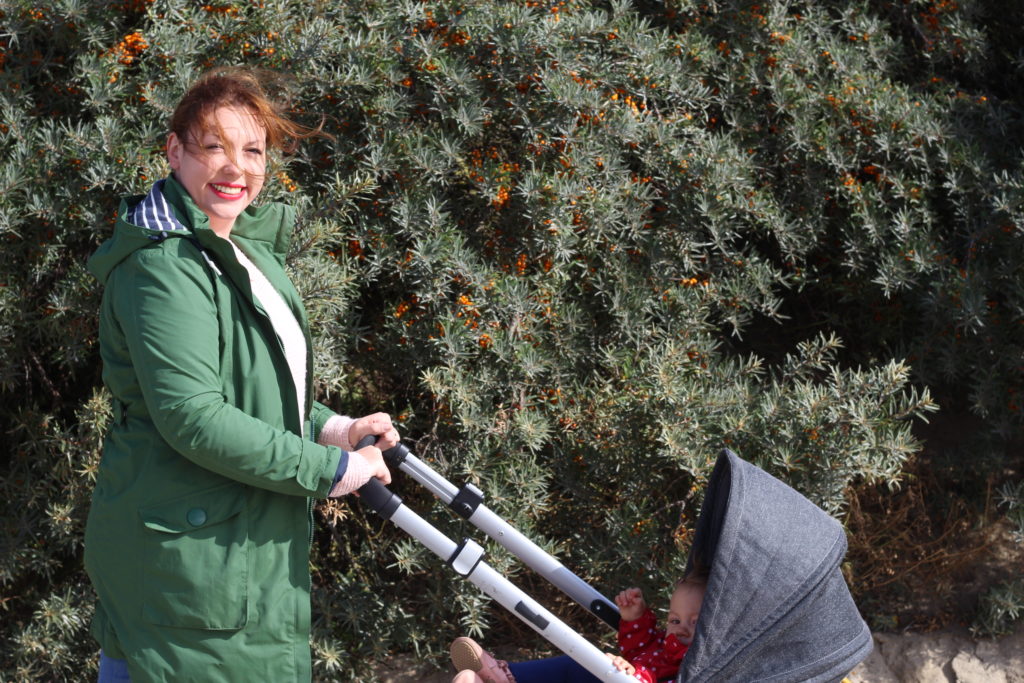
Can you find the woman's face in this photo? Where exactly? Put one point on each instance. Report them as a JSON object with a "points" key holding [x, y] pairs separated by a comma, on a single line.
{"points": [[223, 168]]}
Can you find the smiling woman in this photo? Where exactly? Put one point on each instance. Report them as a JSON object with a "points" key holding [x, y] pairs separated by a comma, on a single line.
{"points": [[222, 167], [197, 541], [220, 133]]}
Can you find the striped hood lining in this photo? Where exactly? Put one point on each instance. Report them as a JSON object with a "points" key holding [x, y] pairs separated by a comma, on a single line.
{"points": [[155, 213]]}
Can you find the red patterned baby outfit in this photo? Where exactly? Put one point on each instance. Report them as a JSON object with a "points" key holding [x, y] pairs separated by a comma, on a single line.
{"points": [[655, 655]]}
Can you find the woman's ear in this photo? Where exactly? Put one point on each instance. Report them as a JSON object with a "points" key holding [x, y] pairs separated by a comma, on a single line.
{"points": [[175, 150]]}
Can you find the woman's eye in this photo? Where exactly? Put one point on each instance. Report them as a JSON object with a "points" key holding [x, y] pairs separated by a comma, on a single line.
{"points": [[213, 147], [254, 150]]}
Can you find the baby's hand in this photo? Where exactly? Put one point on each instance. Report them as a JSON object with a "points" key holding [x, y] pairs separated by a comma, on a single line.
{"points": [[620, 663], [631, 604]]}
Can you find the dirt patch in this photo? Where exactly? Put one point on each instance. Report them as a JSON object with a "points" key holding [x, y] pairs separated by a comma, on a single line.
{"points": [[406, 669]]}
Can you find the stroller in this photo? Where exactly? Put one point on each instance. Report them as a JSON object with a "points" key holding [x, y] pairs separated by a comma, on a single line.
{"points": [[776, 607]]}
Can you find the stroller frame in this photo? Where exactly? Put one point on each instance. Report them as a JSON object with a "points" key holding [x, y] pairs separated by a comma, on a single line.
{"points": [[466, 559]]}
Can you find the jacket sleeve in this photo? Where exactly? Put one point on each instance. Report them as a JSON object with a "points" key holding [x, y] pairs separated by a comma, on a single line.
{"points": [[164, 304], [319, 414]]}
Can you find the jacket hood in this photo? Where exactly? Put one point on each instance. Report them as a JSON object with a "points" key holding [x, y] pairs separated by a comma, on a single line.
{"points": [[168, 211]]}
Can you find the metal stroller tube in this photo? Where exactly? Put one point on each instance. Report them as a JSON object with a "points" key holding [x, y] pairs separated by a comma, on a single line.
{"points": [[467, 560], [467, 502]]}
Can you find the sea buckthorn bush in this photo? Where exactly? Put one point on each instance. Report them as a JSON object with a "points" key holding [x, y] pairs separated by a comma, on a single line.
{"points": [[575, 248]]}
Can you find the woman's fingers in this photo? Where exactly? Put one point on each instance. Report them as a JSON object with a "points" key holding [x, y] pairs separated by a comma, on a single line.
{"points": [[375, 424]]}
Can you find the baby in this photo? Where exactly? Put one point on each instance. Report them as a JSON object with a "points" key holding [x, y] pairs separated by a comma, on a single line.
{"points": [[656, 654], [648, 654]]}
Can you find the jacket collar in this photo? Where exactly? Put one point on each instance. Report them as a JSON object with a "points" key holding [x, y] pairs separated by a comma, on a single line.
{"points": [[271, 223], [168, 211]]}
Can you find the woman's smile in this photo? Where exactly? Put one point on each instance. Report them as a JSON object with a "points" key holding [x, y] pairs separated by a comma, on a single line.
{"points": [[228, 191]]}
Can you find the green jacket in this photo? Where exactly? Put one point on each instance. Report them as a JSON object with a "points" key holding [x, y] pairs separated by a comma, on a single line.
{"points": [[199, 533]]}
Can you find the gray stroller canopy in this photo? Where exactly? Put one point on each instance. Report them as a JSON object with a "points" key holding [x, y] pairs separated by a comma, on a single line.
{"points": [[777, 607]]}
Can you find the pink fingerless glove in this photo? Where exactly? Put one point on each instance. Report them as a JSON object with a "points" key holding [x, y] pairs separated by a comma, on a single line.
{"points": [[335, 432], [358, 471], [356, 474]]}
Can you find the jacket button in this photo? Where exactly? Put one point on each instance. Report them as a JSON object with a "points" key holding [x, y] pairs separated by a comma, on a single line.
{"points": [[196, 516]]}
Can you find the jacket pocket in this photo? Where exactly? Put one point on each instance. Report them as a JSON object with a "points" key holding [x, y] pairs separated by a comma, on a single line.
{"points": [[195, 561]]}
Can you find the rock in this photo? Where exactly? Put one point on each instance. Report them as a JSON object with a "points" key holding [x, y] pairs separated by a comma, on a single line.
{"points": [[944, 657], [1005, 655], [969, 669], [915, 658], [874, 669]]}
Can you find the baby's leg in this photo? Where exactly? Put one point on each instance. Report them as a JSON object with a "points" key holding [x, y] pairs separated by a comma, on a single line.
{"points": [[562, 669]]}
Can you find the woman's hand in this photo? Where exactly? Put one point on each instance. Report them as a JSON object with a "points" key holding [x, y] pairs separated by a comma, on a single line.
{"points": [[378, 425], [375, 459], [621, 664], [631, 604]]}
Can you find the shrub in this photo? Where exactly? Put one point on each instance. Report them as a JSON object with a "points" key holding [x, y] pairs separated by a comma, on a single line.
{"points": [[1001, 608], [575, 248], [1012, 498]]}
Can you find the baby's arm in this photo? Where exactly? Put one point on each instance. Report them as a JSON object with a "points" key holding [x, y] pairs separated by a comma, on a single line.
{"points": [[621, 664], [631, 604]]}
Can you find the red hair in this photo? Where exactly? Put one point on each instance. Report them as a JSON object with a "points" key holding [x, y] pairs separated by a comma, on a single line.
{"points": [[243, 88]]}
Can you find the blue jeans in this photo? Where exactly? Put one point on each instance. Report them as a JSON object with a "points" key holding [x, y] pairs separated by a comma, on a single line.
{"points": [[563, 669], [113, 670]]}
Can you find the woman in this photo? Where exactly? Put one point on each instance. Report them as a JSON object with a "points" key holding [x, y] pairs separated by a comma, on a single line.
{"points": [[198, 537]]}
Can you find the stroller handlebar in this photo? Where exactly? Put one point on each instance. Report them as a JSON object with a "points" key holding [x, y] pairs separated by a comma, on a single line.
{"points": [[466, 559], [467, 502], [393, 456], [396, 455]]}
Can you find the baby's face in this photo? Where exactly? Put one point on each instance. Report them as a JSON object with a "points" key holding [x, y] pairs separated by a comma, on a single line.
{"points": [[683, 610]]}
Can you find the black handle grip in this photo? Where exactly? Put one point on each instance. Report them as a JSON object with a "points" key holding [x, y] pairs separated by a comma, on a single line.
{"points": [[393, 456], [378, 498], [373, 493], [608, 612]]}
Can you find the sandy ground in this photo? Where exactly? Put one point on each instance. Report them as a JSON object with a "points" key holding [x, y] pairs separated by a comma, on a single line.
{"points": [[942, 657]]}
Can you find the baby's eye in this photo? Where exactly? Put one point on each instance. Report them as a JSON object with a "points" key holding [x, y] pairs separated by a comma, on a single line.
{"points": [[214, 146]]}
